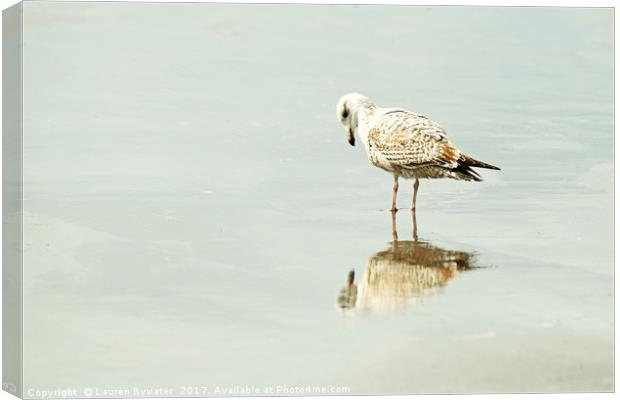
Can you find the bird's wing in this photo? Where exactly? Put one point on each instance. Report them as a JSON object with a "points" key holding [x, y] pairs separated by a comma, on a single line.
{"points": [[410, 140]]}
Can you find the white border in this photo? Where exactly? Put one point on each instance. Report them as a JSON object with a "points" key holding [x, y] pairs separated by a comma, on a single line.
{"points": [[504, 3]]}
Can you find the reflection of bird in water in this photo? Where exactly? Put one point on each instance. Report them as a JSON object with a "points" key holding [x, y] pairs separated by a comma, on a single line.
{"points": [[405, 144], [406, 271], [348, 294]]}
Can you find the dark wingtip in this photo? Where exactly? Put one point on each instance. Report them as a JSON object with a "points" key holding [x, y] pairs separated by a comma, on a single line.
{"points": [[480, 164], [472, 162]]}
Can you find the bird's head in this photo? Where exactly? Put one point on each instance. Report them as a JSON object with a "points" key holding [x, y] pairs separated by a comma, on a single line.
{"points": [[347, 111]]}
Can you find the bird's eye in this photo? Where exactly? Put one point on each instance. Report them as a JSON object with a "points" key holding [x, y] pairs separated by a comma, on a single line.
{"points": [[345, 112]]}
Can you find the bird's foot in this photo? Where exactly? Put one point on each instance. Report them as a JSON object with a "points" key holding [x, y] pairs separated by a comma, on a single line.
{"points": [[393, 209]]}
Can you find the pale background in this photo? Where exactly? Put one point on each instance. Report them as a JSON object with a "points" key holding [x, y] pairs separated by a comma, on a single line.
{"points": [[567, 262]]}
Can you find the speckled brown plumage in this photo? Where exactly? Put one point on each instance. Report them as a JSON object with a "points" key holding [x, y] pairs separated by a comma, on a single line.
{"points": [[412, 146]]}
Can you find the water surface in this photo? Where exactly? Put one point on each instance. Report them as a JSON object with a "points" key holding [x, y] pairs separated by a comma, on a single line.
{"points": [[192, 209]]}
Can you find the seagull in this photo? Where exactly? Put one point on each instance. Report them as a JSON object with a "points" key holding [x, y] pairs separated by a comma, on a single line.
{"points": [[405, 144]]}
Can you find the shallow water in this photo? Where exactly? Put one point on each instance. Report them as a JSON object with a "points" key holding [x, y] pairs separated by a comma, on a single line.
{"points": [[192, 209]]}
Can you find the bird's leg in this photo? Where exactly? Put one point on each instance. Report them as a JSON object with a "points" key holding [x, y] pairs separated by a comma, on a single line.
{"points": [[415, 193], [394, 231], [394, 192], [415, 226]]}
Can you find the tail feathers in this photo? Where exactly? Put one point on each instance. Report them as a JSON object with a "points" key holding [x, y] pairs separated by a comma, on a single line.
{"points": [[465, 173]]}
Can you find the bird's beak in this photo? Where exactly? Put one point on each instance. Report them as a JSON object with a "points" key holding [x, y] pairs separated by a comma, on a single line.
{"points": [[351, 137]]}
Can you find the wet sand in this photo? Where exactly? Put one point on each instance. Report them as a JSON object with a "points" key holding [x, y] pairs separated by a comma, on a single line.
{"points": [[192, 208]]}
